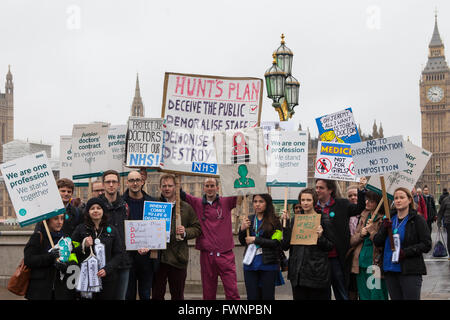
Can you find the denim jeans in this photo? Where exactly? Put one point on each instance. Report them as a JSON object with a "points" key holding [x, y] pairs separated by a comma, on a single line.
{"points": [[122, 283], [338, 280]]}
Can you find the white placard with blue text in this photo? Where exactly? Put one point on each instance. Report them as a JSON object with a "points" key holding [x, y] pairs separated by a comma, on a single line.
{"points": [[32, 188], [159, 211]]}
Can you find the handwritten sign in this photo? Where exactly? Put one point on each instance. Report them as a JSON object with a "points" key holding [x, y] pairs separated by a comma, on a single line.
{"points": [[32, 188], [145, 142], [242, 161], [159, 210], [334, 162], [195, 106], [379, 156], [304, 230], [416, 161], [339, 127], [140, 234], [90, 153]]}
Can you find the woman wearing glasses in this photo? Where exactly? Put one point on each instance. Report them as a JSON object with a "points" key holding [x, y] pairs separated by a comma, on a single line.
{"points": [[261, 273]]}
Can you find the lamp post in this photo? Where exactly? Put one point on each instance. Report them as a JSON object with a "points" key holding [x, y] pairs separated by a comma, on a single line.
{"points": [[438, 175], [282, 87]]}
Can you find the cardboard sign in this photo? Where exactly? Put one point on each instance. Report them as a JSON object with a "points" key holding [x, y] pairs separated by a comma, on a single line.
{"points": [[339, 127], [242, 161], [379, 156], [140, 234], [334, 162], [159, 210], [287, 159], [194, 107], [116, 143], [304, 230], [90, 152], [65, 161], [144, 142], [416, 160], [32, 188]]}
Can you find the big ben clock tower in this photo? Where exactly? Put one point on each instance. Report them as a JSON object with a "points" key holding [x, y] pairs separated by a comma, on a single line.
{"points": [[435, 110]]}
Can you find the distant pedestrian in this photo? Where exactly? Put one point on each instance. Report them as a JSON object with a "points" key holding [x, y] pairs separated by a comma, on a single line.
{"points": [[444, 218], [431, 207], [443, 195]]}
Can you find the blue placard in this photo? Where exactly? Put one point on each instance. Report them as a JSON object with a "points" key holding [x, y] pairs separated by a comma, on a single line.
{"points": [[159, 211], [338, 127]]}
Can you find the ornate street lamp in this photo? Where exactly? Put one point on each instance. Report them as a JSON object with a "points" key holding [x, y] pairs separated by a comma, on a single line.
{"points": [[282, 87]]}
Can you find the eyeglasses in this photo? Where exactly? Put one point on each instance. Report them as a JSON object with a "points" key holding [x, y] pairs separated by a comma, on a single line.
{"points": [[134, 180], [111, 182]]}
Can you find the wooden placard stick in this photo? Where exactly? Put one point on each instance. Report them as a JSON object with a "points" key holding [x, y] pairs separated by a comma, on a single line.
{"points": [[177, 205], [237, 214], [386, 211], [48, 233], [245, 209], [90, 188], [286, 190]]}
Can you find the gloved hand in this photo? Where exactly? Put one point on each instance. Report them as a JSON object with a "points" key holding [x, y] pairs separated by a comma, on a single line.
{"points": [[387, 223], [54, 253], [61, 266]]}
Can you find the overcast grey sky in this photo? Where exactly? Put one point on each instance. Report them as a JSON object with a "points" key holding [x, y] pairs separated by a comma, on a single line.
{"points": [[76, 61]]}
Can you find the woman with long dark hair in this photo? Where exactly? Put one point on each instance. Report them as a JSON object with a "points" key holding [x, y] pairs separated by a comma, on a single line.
{"points": [[404, 266], [262, 269], [96, 233], [309, 268]]}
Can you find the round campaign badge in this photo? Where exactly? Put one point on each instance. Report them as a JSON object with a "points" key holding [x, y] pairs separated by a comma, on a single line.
{"points": [[67, 216], [332, 214], [108, 229]]}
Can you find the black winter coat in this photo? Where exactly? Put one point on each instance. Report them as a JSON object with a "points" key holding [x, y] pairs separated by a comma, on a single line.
{"points": [[44, 278], [117, 213], [417, 241], [271, 249], [114, 247], [308, 264], [343, 210]]}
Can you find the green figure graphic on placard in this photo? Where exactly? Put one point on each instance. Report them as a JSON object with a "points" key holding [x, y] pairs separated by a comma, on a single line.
{"points": [[243, 181]]}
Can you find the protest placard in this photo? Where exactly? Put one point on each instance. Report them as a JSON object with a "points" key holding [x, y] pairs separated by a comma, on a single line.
{"points": [[195, 106], [159, 210], [145, 234], [339, 127], [90, 152], [379, 156], [416, 160], [65, 161], [304, 230], [334, 162], [116, 144], [287, 159], [32, 188], [144, 142], [242, 161]]}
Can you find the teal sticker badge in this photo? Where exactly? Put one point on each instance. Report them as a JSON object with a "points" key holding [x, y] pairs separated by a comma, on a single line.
{"points": [[22, 212], [108, 229], [67, 216], [331, 214]]}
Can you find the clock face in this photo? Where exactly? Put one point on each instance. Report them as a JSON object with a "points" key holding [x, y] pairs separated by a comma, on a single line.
{"points": [[435, 94]]}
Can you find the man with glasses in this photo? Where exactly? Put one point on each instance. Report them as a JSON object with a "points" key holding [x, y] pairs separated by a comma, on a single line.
{"points": [[174, 260], [117, 212], [97, 188], [141, 272], [216, 242]]}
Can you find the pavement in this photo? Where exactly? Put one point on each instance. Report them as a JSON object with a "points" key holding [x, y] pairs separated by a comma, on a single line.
{"points": [[435, 285]]}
